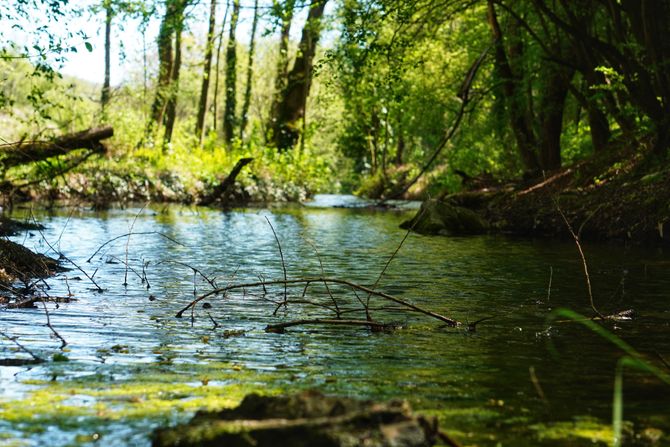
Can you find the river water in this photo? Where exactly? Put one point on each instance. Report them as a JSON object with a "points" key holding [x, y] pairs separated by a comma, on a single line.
{"points": [[519, 379]]}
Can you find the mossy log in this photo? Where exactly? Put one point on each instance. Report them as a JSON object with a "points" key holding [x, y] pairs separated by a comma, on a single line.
{"points": [[24, 152], [302, 420]]}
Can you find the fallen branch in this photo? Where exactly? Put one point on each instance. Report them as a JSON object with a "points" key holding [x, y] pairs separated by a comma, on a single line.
{"points": [[14, 340], [449, 321], [280, 327], [16, 154]]}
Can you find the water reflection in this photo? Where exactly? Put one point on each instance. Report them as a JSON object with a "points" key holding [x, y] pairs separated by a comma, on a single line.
{"points": [[482, 378]]}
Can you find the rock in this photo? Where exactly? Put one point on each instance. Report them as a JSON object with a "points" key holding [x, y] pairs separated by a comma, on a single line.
{"points": [[301, 420], [437, 217]]}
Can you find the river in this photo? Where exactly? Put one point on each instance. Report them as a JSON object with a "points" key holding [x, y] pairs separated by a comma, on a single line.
{"points": [[519, 379]]}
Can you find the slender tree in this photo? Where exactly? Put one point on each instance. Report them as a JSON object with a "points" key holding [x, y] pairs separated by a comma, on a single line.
{"points": [[109, 13], [206, 72], [229, 117], [171, 106], [217, 69], [250, 71]]}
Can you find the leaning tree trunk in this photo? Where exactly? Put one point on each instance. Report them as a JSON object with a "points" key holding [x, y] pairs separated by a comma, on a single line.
{"points": [[231, 77], [104, 97], [204, 89], [291, 108], [250, 71]]}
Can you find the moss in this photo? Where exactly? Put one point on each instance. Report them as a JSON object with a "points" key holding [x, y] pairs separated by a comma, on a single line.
{"points": [[581, 429]]}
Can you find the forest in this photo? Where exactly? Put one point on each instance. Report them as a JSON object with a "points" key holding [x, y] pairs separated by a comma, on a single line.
{"points": [[228, 222]]}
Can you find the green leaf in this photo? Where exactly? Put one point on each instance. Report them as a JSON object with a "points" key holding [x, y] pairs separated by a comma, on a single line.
{"points": [[89, 47]]}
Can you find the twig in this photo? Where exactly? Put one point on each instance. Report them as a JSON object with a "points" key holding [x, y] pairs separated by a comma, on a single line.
{"points": [[55, 332], [581, 254], [196, 271], [90, 278], [128, 267], [323, 273], [60, 236], [135, 233], [664, 361], [22, 348], [551, 277], [132, 225], [281, 254], [536, 384], [449, 321], [213, 321]]}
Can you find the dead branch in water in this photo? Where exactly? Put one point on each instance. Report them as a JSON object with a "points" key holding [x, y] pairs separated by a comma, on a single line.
{"points": [[14, 340], [280, 327], [283, 264], [293, 282], [575, 236], [133, 234]]}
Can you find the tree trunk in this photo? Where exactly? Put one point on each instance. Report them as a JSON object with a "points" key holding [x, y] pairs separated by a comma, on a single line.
{"points": [[551, 108], [400, 148], [521, 128], [165, 62], [217, 70], [171, 107], [282, 61], [247, 92], [104, 97], [231, 77], [291, 108], [204, 89]]}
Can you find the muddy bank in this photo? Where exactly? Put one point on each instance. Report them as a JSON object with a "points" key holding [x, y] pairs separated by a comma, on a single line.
{"points": [[624, 202]]}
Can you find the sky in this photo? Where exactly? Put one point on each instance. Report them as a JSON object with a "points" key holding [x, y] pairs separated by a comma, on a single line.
{"points": [[89, 65]]}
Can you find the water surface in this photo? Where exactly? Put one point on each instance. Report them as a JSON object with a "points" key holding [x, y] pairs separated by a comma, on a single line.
{"points": [[517, 380]]}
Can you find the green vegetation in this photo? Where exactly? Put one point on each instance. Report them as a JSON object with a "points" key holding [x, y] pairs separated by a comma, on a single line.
{"points": [[389, 102], [518, 117]]}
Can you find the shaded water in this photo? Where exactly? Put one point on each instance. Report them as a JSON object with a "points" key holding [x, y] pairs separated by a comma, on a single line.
{"points": [[133, 365]]}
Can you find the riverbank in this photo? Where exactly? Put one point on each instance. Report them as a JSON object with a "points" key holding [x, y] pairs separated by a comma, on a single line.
{"points": [[629, 201]]}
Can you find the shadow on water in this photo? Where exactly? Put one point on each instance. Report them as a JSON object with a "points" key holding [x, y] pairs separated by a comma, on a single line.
{"points": [[133, 366]]}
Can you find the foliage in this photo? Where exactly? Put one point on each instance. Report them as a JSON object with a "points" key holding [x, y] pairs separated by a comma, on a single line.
{"points": [[556, 87]]}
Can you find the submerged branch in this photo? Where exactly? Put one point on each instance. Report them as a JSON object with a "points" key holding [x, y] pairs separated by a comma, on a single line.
{"points": [[449, 321], [280, 327]]}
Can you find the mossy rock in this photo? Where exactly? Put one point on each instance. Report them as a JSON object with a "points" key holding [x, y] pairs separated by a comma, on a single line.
{"points": [[437, 217], [303, 420]]}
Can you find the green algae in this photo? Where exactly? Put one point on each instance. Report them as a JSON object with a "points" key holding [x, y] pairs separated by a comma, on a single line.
{"points": [[148, 397]]}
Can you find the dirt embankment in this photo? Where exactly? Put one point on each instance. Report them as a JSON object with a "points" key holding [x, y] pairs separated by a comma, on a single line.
{"points": [[626, 201]]}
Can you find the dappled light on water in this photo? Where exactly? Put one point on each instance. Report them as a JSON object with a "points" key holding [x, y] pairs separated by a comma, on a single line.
{"points": [[131, 366]]}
